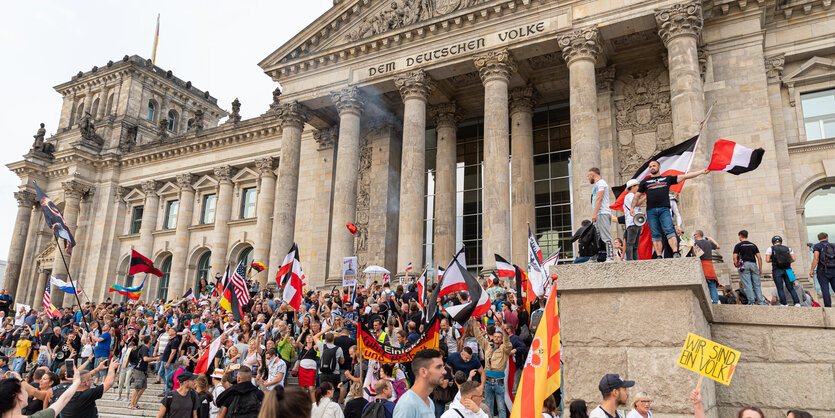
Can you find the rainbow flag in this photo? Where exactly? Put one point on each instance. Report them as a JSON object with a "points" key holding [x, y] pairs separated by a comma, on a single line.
{"points": [[132, 293]]}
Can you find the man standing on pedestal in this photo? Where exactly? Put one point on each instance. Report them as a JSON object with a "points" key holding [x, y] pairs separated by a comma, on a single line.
{"points": [[601, 214]]}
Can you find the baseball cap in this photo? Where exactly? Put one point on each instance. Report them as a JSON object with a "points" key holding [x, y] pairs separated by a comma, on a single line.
{"points": [[776, 238], [186, 376], [613, 381], [632, 182]]}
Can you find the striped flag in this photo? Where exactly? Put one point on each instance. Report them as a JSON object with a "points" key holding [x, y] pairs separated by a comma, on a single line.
{"points": [[734, 158], [51, 310], [141, 264], [479, 302], [67, 287], [409, 267], [504, 268], [189, 296], [156, 41], [132, 293], [536, 274], [239, 280], [421, 288]]}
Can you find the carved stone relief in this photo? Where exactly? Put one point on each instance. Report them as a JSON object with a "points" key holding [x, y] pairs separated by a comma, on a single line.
{"points": [[644, 117], [401, 13], [363, 199]]}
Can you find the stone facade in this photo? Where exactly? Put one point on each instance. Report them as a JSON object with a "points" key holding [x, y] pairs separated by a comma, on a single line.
{"points": [[345, 139]]}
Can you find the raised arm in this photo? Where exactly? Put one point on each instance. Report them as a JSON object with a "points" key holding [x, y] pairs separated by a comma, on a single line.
{"points": [[690, 175], [61, 402]]}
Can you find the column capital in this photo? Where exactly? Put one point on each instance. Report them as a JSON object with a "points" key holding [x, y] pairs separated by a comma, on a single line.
{"points": [[683, 19], [522, 99], [265, 166], [75, 189], [495, 64], [446, 114], [774, 68], [185, 182], [293, 114], [149, 187], [604, 78], [581, 44], [414, 85], [223, 174], [25, 198], [348, 100], [326, 138]]}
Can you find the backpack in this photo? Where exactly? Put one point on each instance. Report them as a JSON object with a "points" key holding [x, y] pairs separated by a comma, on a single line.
{"points": [[328, 360], [827, 255], [245, 406], [375, 410], [781, 256], [169, 397]]}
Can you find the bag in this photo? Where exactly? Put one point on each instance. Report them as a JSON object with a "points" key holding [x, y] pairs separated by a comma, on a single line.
{"points": [[525, 334], [245, 406], [329, 364], [375, 410], [781, 256], [790, 275], [827, 255]]}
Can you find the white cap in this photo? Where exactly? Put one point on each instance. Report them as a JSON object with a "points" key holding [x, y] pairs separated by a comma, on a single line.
{"points": [[632, 182]]}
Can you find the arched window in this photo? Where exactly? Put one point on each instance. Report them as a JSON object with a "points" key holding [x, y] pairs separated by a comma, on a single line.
{"points": [[819, 214], [163, 281], [203, 267], [172, 120], [79, 112], [109, 108], [246, 256], [152, 110], [189, 123], [95, 110]]}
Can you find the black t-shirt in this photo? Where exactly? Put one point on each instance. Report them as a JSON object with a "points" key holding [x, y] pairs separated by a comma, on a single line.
{"points": [[141, 364], [747, 251], [177, 405], [707, 247], [657, 190], [354, 407], [173, 344], [344, 342], [83, 404]]}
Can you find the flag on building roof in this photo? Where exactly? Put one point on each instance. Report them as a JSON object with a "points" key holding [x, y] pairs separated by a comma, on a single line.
{"points": [[504, 268], [132, 293], [141, 264], [55, 220], [49, 308], [479, 302], [541, 375], [67, 287], [734, 158]]}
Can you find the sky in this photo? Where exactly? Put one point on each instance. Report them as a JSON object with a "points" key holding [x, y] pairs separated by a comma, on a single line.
{"points": [[215, 44]]}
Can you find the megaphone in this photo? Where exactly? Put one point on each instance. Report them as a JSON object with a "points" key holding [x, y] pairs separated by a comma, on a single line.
{"points": [[639, 219]]}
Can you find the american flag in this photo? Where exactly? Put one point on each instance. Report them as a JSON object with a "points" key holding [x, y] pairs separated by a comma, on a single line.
{"points": [[238, 279], [51, 311]]}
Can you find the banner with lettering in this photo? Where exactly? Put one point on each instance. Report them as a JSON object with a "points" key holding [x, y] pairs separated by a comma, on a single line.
{"points": [[372, 349], [710, 359]]}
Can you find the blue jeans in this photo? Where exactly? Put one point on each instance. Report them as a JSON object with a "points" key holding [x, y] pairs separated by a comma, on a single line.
{"points": [[825, 280], [779, 275], [439, 409], [18, 363], [97, 361], [169, 377], [494, 393], [750, 279], [660, 223], [714, 295]]}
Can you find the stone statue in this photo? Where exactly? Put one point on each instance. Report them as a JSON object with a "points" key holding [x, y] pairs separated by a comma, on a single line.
{"points": [[235, 117], [162, 129], [198, 121], [38, 145], [88, 127], [276, 96], [128, 140]]}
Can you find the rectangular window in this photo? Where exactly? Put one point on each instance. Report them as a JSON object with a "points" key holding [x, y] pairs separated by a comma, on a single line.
{"points": [[248, 203], [136, 219], [207, 215], [171, 208], [819, 114]]}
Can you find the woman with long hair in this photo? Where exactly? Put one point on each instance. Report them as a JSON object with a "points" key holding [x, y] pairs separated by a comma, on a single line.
{"points": [[307, 365], [13, 398], [323, 406], [204, 396], [354, 407], [285, 403], [40, 395], [578, 409], [549, 408]]}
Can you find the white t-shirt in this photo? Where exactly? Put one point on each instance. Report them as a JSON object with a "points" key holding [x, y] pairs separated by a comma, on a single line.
{"points": [[216, 391], [601, 185], [275, 367], [600, 413], [627, 206], [635, 414]]}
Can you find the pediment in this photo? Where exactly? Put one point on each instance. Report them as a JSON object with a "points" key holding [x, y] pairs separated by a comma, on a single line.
{"points": [[168, 188], [134, 195], [811, 71], [245, 174], [205, 182]]}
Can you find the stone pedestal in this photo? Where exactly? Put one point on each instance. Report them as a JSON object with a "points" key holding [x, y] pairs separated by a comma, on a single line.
{"points": [[25, 200], [446, 118], [521, 172], [223, 213], [74, 191], [178, 282], [495, 69], [414, 89], [349, 103], [580, 50], [264, 212]]}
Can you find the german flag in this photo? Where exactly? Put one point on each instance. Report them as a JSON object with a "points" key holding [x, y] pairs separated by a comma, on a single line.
{"points": [[141, 264], [257, 266], [229, 301]]}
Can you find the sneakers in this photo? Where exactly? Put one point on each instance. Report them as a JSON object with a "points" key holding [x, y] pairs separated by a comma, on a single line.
{"points": [[676, 254], [119, 400], [796, 304]]}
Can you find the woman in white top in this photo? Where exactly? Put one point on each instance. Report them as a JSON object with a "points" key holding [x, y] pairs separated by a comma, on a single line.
{"points": [[549, 408], [323, 406], [640, 406]]}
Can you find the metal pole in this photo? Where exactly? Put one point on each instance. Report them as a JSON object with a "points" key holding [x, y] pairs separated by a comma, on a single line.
{"points": [[74, 291]]}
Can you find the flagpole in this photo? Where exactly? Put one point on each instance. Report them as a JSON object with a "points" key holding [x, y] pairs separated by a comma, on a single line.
{"points": [[72, 283], [699, 138]]}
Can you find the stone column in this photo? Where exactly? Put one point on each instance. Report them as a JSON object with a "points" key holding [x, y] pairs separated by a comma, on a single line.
{"points": [[263, 214], [292, 117], [495, 69], [580, 50], [178, 282], [73, 192], [447, 117], [349, 103], [40, 286], [146, 234], [679, 27], [414, 88], [25, 200], [223, 213], [521, 171], [24, 290]]}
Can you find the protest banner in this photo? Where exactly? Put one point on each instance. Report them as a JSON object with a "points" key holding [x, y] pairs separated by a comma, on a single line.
{"points": [[349, 271], [372, 349], [710, 359]]}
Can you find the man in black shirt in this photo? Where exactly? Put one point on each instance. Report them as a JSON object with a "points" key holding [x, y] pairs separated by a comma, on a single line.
{"points": [[747, 257], [83, 402], [659, 218], [140, 371]]}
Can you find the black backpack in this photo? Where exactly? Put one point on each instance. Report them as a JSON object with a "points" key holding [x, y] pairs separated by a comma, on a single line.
{"points": [[245, 406], [827, 255], [781, 256], [169, 397], [375, 410], [328, 360]]}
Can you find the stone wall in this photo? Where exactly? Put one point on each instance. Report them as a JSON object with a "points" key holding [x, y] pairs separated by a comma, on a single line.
{"points": [[632, 319]]}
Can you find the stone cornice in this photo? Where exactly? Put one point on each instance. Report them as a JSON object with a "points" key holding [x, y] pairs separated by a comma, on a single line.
{"points": [[812, 146], [414, 85], [495, 65], [683, 19], [581, 44]]}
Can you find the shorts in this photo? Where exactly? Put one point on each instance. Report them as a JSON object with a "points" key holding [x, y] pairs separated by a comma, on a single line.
{"points": [[660, 223], [140, 380]]}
